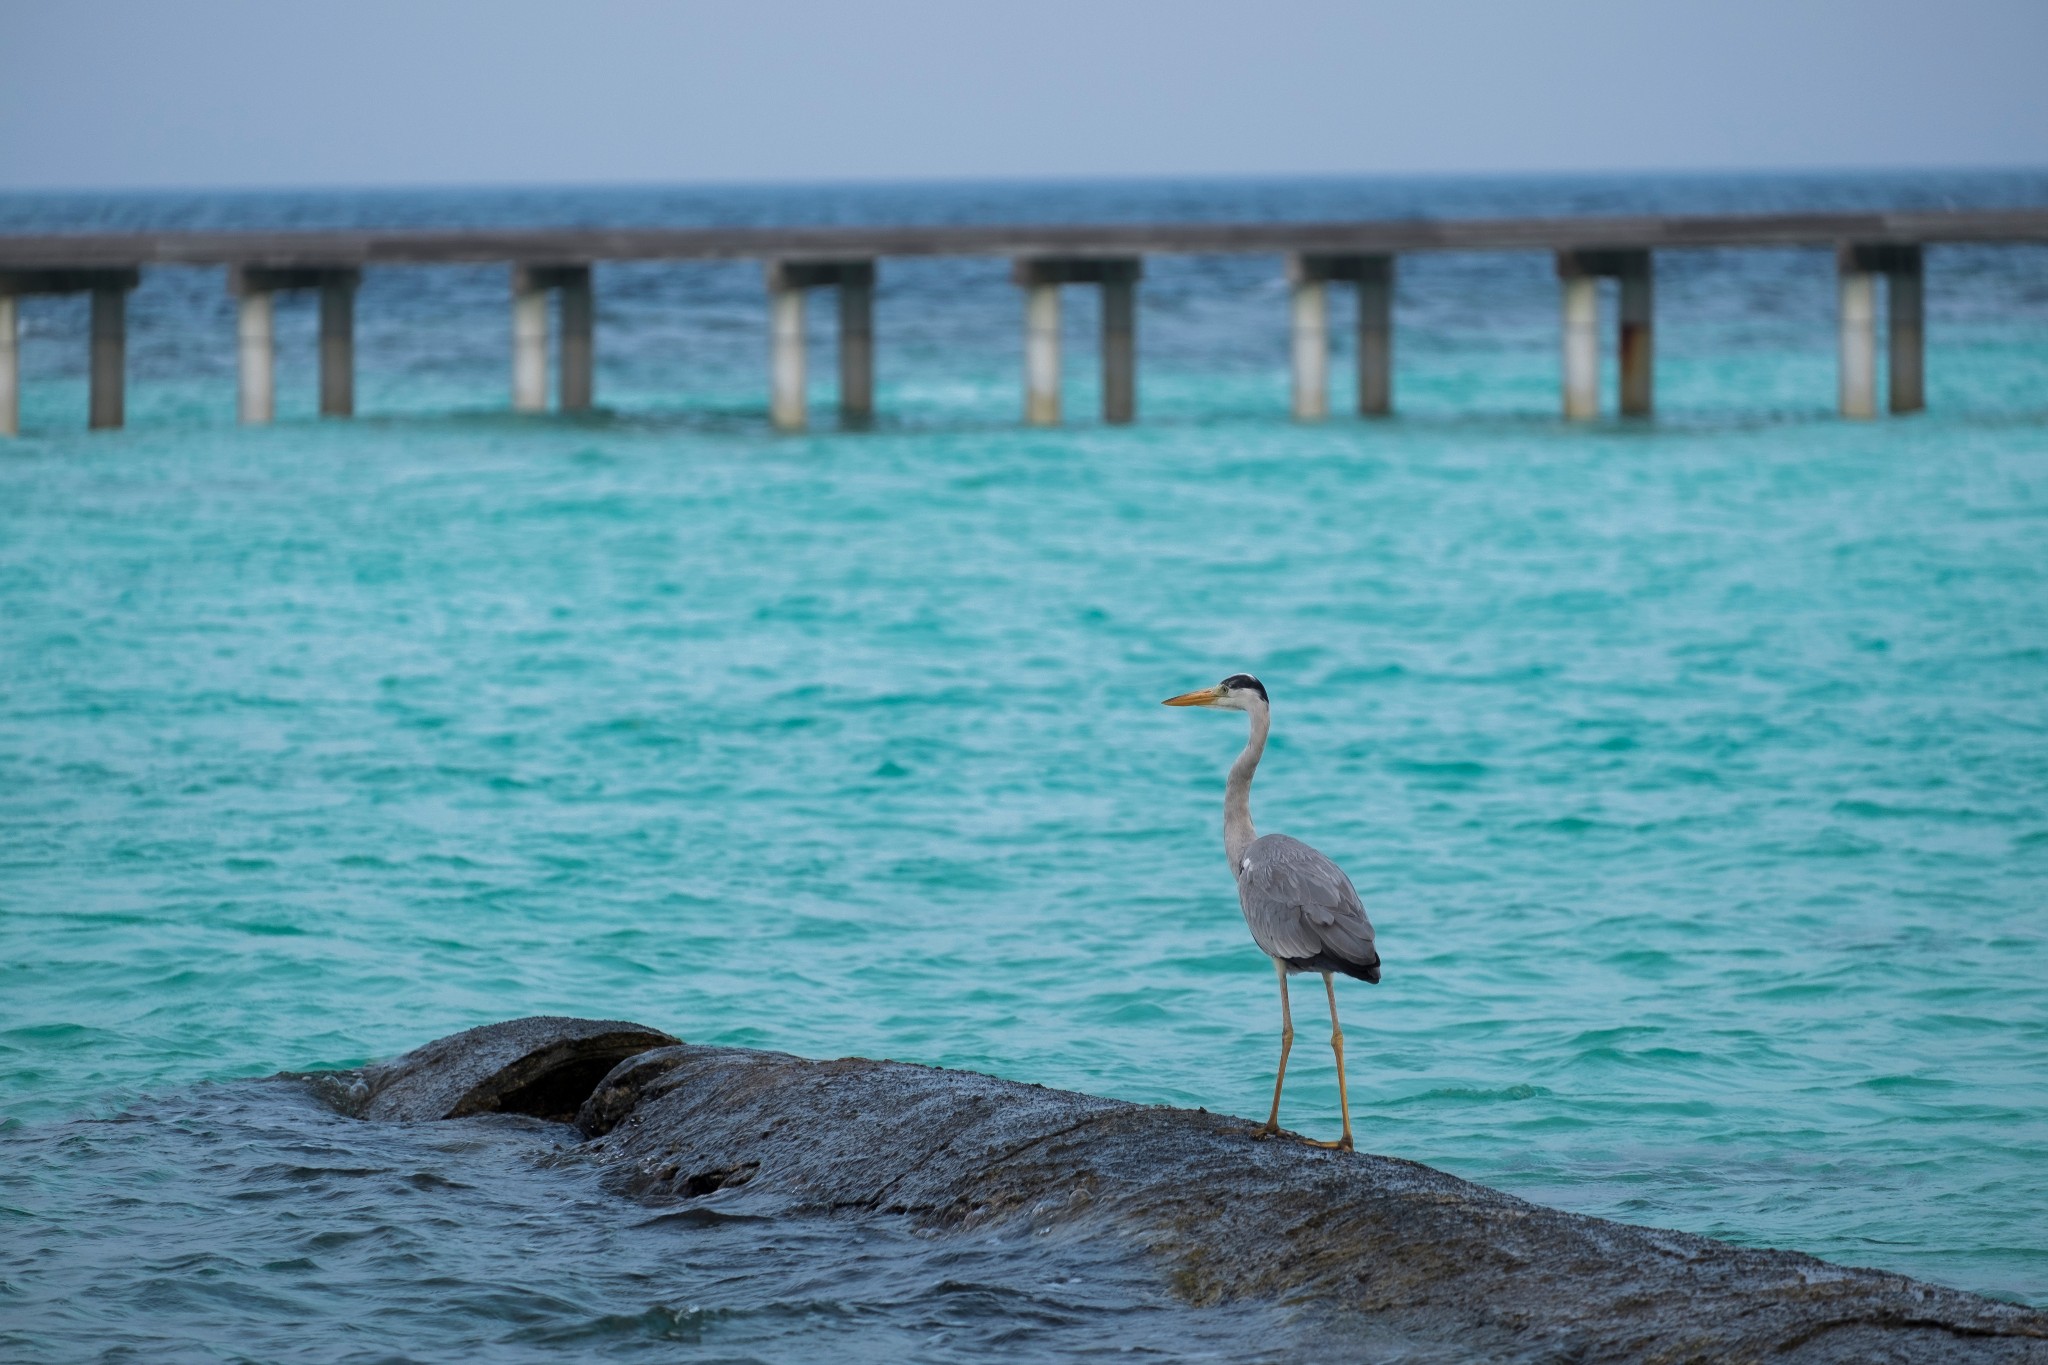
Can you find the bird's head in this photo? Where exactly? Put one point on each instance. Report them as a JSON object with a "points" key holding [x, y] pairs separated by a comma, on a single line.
{"points": [[1238, 692]]}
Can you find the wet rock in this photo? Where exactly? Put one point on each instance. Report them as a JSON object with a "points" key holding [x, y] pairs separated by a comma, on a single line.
{"points": [[544, 1066], [1400, 1250], [618, 1093], [1401, 1257]]}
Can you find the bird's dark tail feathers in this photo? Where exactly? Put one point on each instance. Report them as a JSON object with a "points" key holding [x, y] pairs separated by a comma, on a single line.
{"points": [[1327, 961]]}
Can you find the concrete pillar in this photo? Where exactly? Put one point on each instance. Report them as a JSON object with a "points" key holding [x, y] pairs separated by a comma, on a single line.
{"points": [[1042, 354], [10, 365], [856, 347], [1637, 332], [1376, 337], [786, 356], [1119, 347], [1311, 332], [1858, 340], [338, 345], [1581, 300], [529, 343], [256, 352], [109, 357], [579, 353], [1907, 341]]}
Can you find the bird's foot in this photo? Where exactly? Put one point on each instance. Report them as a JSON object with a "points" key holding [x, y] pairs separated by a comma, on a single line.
{"points": [[1270, 1130], [1342, 1144]]}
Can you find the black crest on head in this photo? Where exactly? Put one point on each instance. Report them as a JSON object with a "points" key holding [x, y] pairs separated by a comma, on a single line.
{"points": [[1245, 682]]}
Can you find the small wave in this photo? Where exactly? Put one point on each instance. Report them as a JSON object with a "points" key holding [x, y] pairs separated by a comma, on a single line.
{"points": [[1469, 1095]]}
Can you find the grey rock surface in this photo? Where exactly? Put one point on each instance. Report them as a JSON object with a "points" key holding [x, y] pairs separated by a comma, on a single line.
{"points": [[1388, 1248], [544, 1066]]}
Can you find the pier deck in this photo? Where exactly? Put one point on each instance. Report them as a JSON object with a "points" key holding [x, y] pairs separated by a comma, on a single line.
{"points": [[1867, 246]]}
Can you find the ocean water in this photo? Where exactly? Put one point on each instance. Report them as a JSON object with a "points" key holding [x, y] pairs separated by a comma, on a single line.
{"points": [[1695, 772]]}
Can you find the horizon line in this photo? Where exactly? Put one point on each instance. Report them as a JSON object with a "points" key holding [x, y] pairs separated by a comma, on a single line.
{"points": [[1021, 180]]}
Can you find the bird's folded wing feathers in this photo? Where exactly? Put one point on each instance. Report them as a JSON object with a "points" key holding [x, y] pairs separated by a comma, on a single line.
{"points": [[1299, 903]]}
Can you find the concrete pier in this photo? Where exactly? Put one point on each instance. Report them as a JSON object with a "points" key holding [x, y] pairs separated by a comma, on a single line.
{"points": [[1902, 267], [108, 363], [1042, 354], [1309, 331], [255, 289], [1907, 341], [1375, 336], [1858, 337], [529, 341], [1120, 345], [1906, 326], [1637, 336], [1041, 277], [338, 343], [577, 383], [857, 346], [109, 402], [1309, 275], [1581, 332], [10, 366], [787, 281], [531, 284], [1045, 256], [256, 356], [1579, 273], [786, 355]]}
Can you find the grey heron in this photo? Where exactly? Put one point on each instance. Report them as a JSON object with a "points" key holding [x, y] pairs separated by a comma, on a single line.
{"points": [[1302, 910]]}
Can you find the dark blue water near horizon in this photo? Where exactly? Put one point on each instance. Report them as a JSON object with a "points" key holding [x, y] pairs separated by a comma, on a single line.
{"points": [[1695, 771]]}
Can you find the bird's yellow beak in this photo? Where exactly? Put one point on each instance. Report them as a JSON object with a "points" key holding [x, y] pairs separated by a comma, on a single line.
{"points": [[1206, 697]]}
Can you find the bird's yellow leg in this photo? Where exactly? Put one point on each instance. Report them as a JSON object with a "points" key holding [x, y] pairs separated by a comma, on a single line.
{"points": [[1286, 1043], [1342, 1144]]}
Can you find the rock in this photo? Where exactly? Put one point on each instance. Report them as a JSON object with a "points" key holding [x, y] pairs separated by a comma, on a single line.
{"points": [[544, 1066], [1393, 1250], [1412, 1250], [617, 1094]]}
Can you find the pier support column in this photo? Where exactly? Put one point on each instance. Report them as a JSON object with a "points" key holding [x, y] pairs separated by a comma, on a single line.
{"points": [[786, 357], [1309, 305], [256, 356], [10, 365], [1041, 277], [1376, 336], [1309, 276], [857, 346], [529, 342], [787, 281], [578, 382], [1120, 345], [1042, 354], [338, 343], [255, 289], [1581, 347], [1859, 265], [1637, 338], [109, 357], [576, 385], [1908, 332], [1858, 337], [1579, 273]]}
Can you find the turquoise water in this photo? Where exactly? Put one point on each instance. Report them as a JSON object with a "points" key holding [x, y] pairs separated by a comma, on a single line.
{"points": [[1695, 773]]}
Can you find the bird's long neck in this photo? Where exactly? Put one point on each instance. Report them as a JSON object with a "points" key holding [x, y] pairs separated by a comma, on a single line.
{"points": [[1237, 793]]}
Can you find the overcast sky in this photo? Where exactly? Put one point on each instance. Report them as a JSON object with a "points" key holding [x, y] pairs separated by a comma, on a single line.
{"points": [[167, 93]]}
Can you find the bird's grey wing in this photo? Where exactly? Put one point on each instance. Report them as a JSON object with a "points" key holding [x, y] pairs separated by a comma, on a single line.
{"points": [[1299, 903]]}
